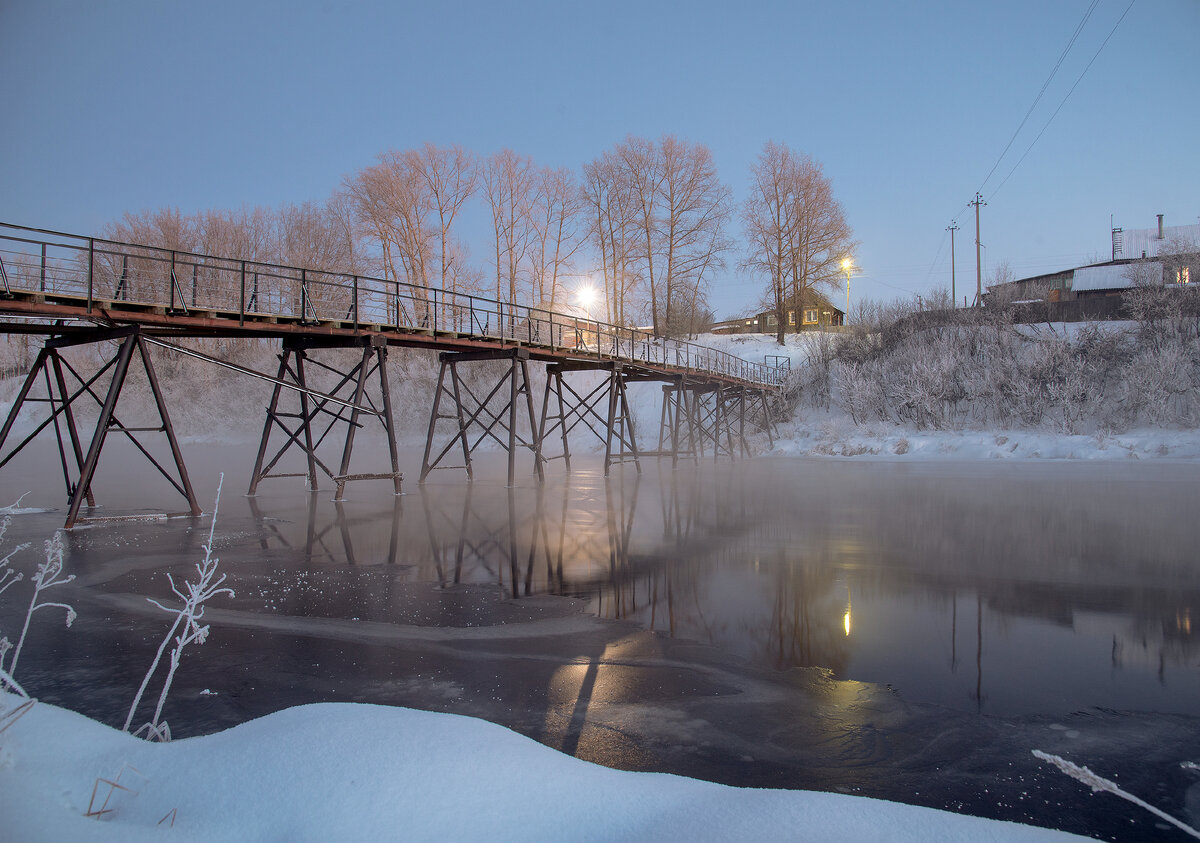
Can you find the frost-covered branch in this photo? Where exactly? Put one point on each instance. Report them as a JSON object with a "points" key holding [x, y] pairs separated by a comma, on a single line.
{"points": [[48, 575], [185, 629], [8, 575], [1098, 783]]}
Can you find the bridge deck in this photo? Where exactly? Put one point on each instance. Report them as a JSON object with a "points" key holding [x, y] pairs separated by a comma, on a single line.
{"points": [[50, 276]]}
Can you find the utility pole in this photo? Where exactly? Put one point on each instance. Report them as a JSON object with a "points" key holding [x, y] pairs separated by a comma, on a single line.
{"points": [[977, 201], [953, 227]]}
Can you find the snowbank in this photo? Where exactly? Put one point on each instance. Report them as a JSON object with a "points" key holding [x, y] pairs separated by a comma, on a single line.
{"points": [[820, 434], [365, 772], [833, 433]]}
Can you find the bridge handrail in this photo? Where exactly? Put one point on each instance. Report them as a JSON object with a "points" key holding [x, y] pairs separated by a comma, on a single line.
{"points": [[158, 276]]}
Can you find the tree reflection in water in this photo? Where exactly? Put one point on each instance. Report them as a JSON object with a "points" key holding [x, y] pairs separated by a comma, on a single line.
{"points": [[763, 565]]}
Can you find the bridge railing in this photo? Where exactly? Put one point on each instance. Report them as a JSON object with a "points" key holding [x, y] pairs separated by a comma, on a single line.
{"points": [[115, 273]]}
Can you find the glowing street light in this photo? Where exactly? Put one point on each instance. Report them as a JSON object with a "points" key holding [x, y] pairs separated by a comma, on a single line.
{"points": [[587, 295]]}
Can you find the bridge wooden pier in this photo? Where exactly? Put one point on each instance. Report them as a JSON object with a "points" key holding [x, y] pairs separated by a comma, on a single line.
{"points": [[121, 299]]}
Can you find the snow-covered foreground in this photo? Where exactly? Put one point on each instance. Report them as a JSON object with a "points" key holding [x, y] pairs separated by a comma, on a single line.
{"points": [[365, 772]]}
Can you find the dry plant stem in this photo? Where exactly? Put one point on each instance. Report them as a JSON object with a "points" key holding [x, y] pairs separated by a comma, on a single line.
{"points": [[113, 785], [13, 715], [7, 575], [149, 673], [1097, 783], [47, 576], [186, 628], [10, 716]]}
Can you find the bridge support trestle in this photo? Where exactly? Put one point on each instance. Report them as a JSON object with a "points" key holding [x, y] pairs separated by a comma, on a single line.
{"points": [[469, 414], [699, 416], [345, 404], [564, 408], [79, 470]]}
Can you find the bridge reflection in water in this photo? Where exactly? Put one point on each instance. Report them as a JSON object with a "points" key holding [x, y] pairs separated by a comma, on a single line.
{"points": [[782, 578]]}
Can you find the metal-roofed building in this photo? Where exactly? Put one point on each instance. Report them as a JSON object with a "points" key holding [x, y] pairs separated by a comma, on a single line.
{"points": [[1106, 277], [1134, 243]]}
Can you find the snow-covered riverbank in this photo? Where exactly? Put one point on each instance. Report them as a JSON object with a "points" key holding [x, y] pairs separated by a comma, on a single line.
{"points": [[365, 772]]}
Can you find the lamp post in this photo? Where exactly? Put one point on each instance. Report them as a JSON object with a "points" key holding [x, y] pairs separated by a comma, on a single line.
{"points": [[847, 266]]}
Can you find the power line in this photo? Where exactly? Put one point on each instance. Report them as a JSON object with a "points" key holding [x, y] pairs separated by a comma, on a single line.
{"points": [[1068, 96], [1045, 85], [1053, 71]]}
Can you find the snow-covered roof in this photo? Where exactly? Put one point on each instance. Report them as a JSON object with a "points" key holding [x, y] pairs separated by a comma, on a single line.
{"points": [[1145, 242], [1113, 276]]}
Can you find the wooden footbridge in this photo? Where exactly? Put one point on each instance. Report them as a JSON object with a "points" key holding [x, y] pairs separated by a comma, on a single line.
{"points": [[88, 291]]}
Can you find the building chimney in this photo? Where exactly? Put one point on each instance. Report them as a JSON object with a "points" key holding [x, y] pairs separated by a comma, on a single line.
{"points": [[1160, 216]]}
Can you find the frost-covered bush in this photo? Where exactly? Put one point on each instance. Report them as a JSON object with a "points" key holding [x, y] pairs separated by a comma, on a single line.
{"points": [[979, 367]]}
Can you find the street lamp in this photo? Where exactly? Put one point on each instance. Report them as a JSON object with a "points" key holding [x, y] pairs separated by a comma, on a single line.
{"points": [[847, 267], [587, 295]]}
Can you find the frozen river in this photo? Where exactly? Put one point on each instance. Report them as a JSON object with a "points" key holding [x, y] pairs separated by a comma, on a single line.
{"points": [[909, 631]]}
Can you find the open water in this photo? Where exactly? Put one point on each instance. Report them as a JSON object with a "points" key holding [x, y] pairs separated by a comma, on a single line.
{"points": [[903, 630]]}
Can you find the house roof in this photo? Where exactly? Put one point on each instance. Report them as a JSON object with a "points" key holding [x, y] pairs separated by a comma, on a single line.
{"points": [[1145, 242], [1110, 276]]}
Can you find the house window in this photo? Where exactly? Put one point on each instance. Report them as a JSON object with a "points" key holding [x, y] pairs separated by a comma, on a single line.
{"points": [[771, 320], [791, 317], [1183, 276], [810, 316]]}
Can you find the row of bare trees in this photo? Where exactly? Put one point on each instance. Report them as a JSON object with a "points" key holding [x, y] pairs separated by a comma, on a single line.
{"points": [[647, 225], [309, 235]]}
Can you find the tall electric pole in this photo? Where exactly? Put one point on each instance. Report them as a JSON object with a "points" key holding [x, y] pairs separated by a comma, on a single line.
{"points": [[953, 227], [977, 201]]}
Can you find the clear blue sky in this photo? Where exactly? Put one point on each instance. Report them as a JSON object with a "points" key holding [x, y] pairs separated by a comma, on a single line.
{"points": [[122, 106]]}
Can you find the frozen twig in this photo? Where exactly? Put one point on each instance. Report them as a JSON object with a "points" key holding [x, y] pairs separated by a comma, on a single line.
{"points": [[13, 507], [48, 574], [1098, 783], [9, 716], [114, 785], [8, 576], [185, 629]]}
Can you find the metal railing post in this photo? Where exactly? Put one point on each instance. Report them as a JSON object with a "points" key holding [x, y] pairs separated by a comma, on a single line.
{"points": [[355, 303], [91, 271], [242, 297], [303, 296], [42, 285]]}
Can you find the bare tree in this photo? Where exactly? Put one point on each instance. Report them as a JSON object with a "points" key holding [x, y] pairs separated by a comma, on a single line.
{"points": [[797, 232], [311, 237], [247, 234], [392, 202], [769, 224], [165, 228], [451, 178], [555, 220], [822, 238], [642, 173], [510, 184], [680, 209], [610, 204], [696, 207]]}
